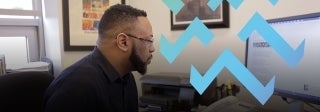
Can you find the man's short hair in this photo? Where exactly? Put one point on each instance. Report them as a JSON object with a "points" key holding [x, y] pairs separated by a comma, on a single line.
{"points": [[118, 18]]}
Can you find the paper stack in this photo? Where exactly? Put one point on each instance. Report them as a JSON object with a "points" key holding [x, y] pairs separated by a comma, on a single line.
{"points": [[32, 66]]}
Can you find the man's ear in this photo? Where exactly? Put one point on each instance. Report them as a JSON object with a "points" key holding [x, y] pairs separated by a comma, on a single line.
{"points": [[122, 42]]}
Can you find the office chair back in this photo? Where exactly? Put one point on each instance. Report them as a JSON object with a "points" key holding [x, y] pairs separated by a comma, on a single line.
{"points": [[23, 91]]}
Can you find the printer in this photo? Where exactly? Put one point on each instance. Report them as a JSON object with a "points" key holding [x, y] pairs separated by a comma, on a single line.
{"points": [[171, 92]]}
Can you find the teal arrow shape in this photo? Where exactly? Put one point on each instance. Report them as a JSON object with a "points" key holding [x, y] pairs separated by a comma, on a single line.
{"points": [[174, 5], [235, 3], [227, 59], [213, 4], [257, 23], [273, 2], [196, 28]]}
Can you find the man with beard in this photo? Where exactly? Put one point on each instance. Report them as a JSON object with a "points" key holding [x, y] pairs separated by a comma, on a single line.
{"points": [[102, 81]]}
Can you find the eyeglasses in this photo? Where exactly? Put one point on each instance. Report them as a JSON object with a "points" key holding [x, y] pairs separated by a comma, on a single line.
{"points": [[142, 39]]}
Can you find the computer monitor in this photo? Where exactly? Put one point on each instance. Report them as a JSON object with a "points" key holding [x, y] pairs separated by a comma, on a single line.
{"points": [[301, 82]]}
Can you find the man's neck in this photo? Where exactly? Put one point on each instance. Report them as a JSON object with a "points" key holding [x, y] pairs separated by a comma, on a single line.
{"points": [[118, 63]]}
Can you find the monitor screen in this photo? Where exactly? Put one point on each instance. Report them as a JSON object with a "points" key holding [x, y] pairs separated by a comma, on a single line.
{"points": [[301, 82]]}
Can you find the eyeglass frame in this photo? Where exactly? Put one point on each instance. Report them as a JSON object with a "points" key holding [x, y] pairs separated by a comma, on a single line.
{"points": [[141, 39]]}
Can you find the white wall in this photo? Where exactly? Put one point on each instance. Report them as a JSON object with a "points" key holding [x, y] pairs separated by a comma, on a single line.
{"points": [[53, 26], [200, 56], [53, 32]]}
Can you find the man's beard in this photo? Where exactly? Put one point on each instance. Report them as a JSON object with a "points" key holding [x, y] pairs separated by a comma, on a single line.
{"points": [[137, 62]]}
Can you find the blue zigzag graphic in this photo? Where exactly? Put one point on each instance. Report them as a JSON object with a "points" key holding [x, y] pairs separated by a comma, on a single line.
{"points": [[259, 24], [174, 5], [228, 60], [235, 3], [213, 4], [196, 28], [273, 2]]}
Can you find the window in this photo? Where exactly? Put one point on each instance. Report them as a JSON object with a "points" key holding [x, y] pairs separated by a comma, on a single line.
{"points": [[21, 33], [11, 54], [17, 4]]}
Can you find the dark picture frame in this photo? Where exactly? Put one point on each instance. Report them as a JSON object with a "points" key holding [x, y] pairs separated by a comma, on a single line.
{"points": [[199, 8], [81, 33]]}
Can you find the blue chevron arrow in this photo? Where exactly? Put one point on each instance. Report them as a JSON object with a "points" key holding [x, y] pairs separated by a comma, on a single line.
{"points": [[228, 60], [196, 28], [273, 2], [235, 3], [174, 5], [213, 4], [259, 24]]}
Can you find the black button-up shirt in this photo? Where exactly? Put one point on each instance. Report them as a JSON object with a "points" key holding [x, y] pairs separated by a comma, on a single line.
{"points": [[92, 85]]}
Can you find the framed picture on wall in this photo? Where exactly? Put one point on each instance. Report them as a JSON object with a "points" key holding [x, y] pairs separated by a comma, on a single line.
{"points": [[218, 18], [80, 22]]}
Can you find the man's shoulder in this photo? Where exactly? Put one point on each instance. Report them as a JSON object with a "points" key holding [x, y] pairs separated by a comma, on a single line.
{"points": [[77, 78], [82, 71], [84, 65], [85, 71]]}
